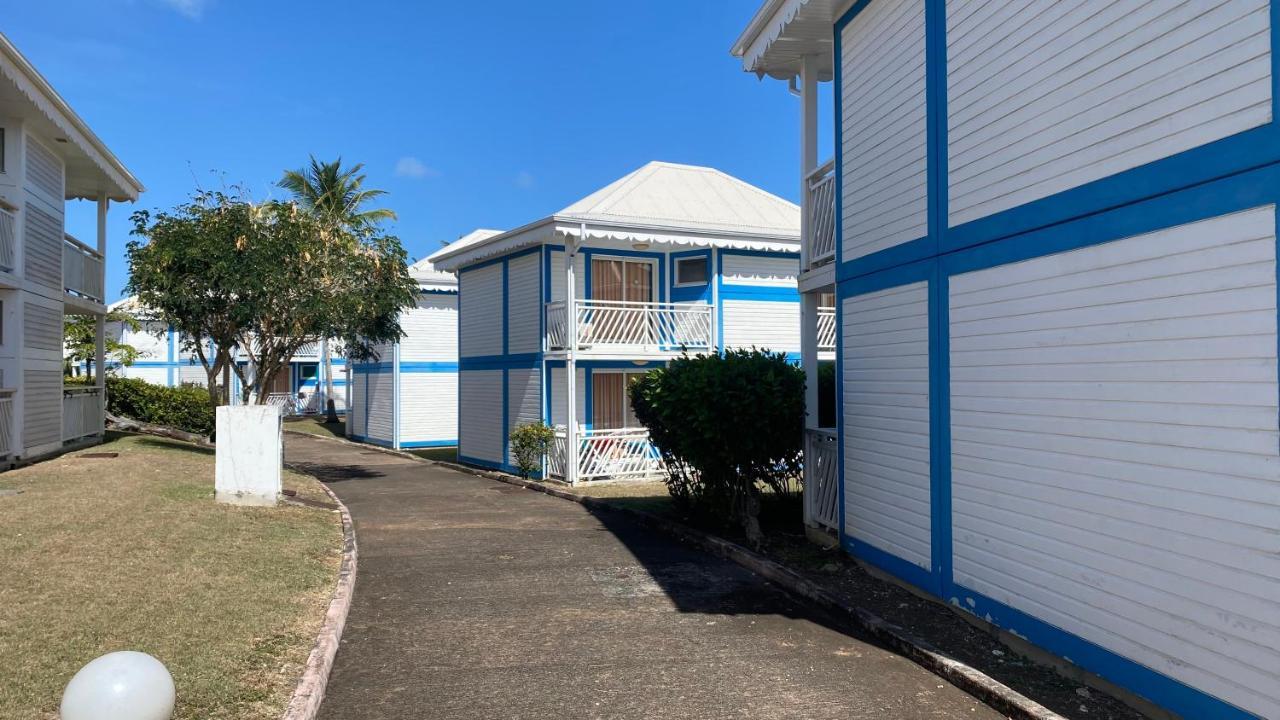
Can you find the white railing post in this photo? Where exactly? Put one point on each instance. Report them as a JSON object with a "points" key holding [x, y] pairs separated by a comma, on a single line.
{"points": [[826, 328], [570, 361], [808, 147]]}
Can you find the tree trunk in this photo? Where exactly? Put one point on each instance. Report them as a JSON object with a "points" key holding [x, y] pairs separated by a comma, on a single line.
{"points": [[130, 425], [331, 410]]}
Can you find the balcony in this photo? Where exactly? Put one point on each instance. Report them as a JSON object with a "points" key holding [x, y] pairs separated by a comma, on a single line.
{"points": [[632, 328], [820, 216], [82, 270], [82, 413], [826, 329], [624, 454], [8, 236]]}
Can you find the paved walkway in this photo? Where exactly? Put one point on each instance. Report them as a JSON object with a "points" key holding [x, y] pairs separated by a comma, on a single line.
{"points": [[477, 599]]}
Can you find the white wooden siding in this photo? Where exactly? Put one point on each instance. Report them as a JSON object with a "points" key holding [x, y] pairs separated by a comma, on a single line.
{"points": [[154, 375], [524, 304], [480, 295], [381, 405], [42, 327], [1045, 97], [883, 121], [42, 247], [191, 374], [41, 407], [765, 324], [558, 393], [431, 330], [761, 271], [480, 406], [430, 406], [886, 420], [44, 173], [524, 399], [152, 340], [1114, 448]]}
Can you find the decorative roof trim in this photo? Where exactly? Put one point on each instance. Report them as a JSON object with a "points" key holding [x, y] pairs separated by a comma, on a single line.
{"points": [[33, 85]]}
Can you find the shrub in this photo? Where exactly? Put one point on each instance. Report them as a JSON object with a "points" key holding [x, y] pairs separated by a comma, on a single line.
{"points": [[185, 408], [728, 427], [529, 443]]}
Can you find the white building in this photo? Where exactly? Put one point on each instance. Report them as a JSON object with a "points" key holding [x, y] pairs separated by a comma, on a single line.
{"points": [[164, 359], [48, 155], [557, 316], [1051, 231], [408, 396]]}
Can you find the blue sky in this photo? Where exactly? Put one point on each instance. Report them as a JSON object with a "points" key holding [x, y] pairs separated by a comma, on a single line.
{"points": [[471, 114]]}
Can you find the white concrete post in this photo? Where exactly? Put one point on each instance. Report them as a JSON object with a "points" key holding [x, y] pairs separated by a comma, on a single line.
{"points": [[395, 396], [809, 301], [249, 455], [570, 363], [809, 362]]}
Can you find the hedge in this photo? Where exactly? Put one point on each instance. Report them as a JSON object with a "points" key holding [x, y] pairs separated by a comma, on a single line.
{"points": [[186, 408]]}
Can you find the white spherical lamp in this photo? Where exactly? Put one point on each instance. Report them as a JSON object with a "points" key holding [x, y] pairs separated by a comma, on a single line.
{"points": [[120, 686]]}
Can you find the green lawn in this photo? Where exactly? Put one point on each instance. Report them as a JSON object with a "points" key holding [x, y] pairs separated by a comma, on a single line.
{"points": [[133, 553], [317, 426]]}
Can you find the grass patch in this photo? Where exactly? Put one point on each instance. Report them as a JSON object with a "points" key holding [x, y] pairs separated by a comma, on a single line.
{"points": [[132, 553], [447, 454], [317, 426]]}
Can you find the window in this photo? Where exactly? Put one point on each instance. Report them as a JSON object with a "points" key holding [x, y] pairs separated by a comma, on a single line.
{"points": [[621, 280], [691, 271], [610, 405]]}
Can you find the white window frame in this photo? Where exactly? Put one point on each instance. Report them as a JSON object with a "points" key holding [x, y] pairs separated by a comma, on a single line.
{"points": [[675, 271], [654, 291]]}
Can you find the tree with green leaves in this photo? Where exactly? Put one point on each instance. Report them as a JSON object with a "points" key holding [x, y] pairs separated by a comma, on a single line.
{"points": [[338, 195], [266, 279], [79, 337]]}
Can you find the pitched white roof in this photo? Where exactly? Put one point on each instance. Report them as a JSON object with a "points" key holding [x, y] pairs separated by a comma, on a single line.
{"points": [[689, 197], [659, 203]]}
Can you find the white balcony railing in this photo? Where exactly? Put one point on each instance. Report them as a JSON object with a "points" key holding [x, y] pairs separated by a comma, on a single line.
{"points": [[826, 328], [82, 270], [821, 495], [287, 403], [82, 412], [604, 325], [820, 207], [8, 237], [624, 454], [6, 422]]}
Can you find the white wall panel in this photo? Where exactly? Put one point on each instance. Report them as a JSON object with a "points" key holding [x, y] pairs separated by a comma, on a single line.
{"points": [[41, 407], [761, 271], [480, 295], [42, 247], [431, 330], [1043, 97], [886, 420], [380, 405], [524, 304], [430, 406], [480, 407], [1114, 448], [883, 125], [42, 327], [558, 392], [359, 418], [524, 398], [765, 324]]}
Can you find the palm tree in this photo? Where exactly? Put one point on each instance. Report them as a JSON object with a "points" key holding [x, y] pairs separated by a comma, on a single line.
{"points": [[338, 194]]}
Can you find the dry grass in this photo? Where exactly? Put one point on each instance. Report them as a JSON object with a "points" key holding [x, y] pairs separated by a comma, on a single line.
{"points": [[132, 553], [317, 426]]}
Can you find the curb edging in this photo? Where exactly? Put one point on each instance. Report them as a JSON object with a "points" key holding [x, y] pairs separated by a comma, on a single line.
{"points": [[994, 693], [304, 704]]}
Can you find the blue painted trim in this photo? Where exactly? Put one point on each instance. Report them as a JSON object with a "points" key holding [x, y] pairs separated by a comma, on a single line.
{"points": [[763, 293], [172, 354], [890, 563], [692, 292], [719, 300], [506, 414], [940, 520], [429, 443], [626, 364], [1161, 689], [487, 464], [405, 367], [499, 362]]}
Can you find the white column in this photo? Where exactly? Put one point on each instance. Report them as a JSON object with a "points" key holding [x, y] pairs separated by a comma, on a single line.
{"points": [[570, 364], [808, 145], [395, 396], [100, 325]]}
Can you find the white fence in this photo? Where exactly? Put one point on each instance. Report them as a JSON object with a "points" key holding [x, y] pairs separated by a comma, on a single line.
{"points": [[653, 327], [608, 455], [82, 270], [287, 403], [820, 206], [6, 422], [8, 238], [82, 412], [821, 479], [826, 328]]}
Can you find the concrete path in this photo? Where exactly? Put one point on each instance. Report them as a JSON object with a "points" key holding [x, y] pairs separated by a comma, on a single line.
{"points": [[476, 599]]}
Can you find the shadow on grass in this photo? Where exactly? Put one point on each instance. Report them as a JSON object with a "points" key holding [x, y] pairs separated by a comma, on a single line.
{"points": [[159, 443]]}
